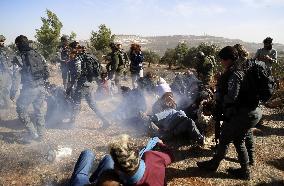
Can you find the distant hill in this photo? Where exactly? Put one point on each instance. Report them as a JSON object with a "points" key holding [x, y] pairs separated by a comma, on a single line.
{"points": [[159, 44]]}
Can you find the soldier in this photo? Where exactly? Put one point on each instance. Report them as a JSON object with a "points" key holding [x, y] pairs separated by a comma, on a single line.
{"points": [[116, 65], [267, 54], [5, 75], [204, 68], [239, 114], [63, 59], [124, 57], [83, 81], [34, 74], [10, 73], [136, 65]]}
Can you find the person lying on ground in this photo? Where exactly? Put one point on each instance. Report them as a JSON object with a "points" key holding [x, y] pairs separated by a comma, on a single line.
{"points": [[113, 169], [144, 168], [167, 122]]}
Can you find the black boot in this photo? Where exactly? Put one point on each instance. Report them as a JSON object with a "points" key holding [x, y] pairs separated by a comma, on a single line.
{"points": [[251, 158], [251, 161], [240, 173], [209, 165]]}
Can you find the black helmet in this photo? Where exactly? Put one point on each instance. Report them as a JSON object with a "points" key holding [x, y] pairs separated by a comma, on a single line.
{"points": [[22, 42], [268, 40], [64, 38], [112, 45], [200, 54], [74, 44]]}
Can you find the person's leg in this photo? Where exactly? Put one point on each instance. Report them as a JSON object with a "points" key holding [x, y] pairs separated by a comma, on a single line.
{"points": [[38, 105], [187, 126], [82, 169], [64, 73], [25, 99], [77, 97], [227, 135], [134, 78], [105, 164], [250, 146], [244, 171], [93, 105]]}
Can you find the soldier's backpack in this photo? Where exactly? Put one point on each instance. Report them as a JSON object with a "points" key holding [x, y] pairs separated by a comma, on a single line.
{"points": [[91, 67], [123, 59], [259, 81], [37, 64]]}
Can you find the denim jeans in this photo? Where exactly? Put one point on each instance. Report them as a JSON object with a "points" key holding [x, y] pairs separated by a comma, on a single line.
{"points": [[176, 123], [84, 165]]}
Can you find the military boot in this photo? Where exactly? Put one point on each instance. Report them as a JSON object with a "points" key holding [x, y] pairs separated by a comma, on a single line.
{"points": [[240, 173], [210, 165]]}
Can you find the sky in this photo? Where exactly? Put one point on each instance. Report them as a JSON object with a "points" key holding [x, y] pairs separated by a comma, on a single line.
{"points": [[248, 20]]}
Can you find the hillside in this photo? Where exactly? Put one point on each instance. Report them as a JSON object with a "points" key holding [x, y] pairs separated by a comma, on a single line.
{"points": [[159, 44]]}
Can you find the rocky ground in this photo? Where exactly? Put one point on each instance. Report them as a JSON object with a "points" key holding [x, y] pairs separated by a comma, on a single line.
{"points": [[34, 164]]}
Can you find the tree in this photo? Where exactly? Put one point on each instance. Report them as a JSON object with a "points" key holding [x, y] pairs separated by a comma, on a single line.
{"points": [[169, 57], [101, 39], [72, 36], [208, 49], [151, 57], [180, 52], [48, 35]]}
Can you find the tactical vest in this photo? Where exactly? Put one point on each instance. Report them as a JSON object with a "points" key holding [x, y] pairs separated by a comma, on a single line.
{"points": [[35, 65]]}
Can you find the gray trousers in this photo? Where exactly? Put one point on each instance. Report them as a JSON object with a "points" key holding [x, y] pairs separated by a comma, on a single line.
{"points": [[5, 80], [36, 97]]}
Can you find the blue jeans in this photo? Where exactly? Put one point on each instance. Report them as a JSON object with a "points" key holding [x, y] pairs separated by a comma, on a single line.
{"points": [[84, 165], [175, 123]]}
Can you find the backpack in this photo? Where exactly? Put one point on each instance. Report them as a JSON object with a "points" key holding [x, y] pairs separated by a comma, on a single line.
{"points": [[123, 59], [91, 67], [258, 80], [37, 64]]}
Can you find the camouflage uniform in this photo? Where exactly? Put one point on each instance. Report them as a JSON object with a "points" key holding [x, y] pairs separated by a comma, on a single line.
{"points": [[63, 59], [117, 66], [83, 88], [5, 75], [204, 69], [262, 52], [32, 92]]}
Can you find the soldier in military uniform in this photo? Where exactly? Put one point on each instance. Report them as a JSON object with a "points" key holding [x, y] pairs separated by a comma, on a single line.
{"points": [[4, 75], [116, 65], [204, 68], [63, 59], [267, 54], [8, 73], [34, 74], [125, 59], [81, 82], [239, 114]]}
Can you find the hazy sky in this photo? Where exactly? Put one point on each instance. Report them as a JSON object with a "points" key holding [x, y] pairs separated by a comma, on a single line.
{"points": [[249, 20]]}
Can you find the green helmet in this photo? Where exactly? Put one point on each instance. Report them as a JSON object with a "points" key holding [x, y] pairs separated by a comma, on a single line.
{"points": [[2, 38]]}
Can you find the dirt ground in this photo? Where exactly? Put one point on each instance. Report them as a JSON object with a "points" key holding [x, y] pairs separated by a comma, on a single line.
{"points": [[22, 164]]}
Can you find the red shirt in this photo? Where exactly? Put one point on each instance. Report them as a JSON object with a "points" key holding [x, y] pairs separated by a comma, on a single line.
{"points": [[156, 163]]}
